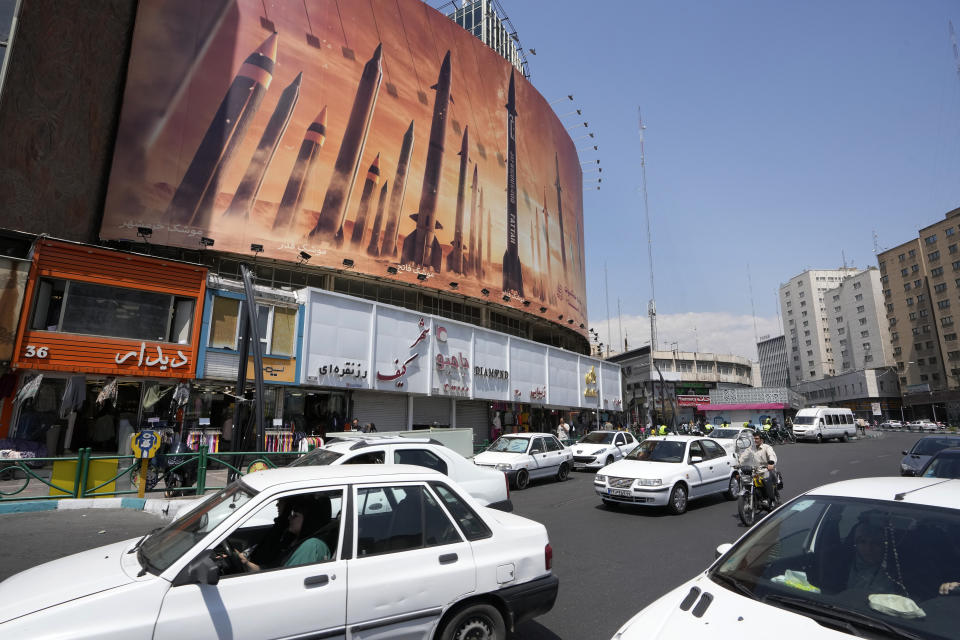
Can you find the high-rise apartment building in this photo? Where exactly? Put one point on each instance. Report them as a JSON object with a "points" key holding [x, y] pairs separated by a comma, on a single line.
{"points": [[487, 20], [859, 333], [921, 281], [805, 327], [774, 364]]}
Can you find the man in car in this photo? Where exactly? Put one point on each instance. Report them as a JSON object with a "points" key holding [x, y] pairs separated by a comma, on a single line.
{"points": [[762, 456]]}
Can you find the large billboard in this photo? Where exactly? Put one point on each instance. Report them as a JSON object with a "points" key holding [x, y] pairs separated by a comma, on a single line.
{"points": [[377, 136]]}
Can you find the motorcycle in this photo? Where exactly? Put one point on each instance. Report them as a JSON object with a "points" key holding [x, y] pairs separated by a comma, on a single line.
{"points": [[751, 502], [166, 466]]}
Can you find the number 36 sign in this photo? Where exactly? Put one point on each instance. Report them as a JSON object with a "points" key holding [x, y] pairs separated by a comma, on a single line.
{"points": [[34, 351]]}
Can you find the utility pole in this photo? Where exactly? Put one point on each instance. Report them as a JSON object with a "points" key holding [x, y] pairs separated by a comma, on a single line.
{"points": [[652, 306]]}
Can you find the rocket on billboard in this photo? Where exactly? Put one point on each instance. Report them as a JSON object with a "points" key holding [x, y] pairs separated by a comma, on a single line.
{"points": [[563, 246], [421, 247], [246, 194], [512, 270], [484, 219], [360, 224], [192, 203], [469, 264], [455, 259], [373, 249], [299, 181], [392, 227], [333, 212]]}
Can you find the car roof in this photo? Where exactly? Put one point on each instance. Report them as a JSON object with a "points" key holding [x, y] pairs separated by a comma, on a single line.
{"points": [[678, 438], [262, 480], [934, 492], [949, 452], [604, 431], [348, 443], [533, 434], [940, 436]]}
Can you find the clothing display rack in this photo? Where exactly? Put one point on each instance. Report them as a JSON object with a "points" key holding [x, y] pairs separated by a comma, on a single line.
{"points": [[209, 437], [278, 440]]}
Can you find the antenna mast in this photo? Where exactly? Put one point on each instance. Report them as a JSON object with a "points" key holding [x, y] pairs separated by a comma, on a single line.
{"points": [[652, 306], [606, 288], [756, 335]]}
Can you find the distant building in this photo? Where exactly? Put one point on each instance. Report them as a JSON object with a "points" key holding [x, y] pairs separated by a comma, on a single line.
{"points": [[774, 370], [487, 20], [864, 392], [859, 333], [805, 327]]}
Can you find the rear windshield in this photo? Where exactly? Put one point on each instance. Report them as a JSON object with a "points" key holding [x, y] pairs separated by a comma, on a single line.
{"points": [[724, 433], [597, 437], [317, 457], [929, 446], [510, 445], [658, 451]]}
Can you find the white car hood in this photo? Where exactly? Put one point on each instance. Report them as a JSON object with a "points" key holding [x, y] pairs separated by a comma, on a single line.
{"points": [[496, 457], [729, 615], [59, 581], [641, 469]]}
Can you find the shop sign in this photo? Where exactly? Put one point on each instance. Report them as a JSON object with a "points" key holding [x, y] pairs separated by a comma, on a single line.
{"points": [[348, 370], [455, 388], [540, 393], [456, 362], [591, 383], [145, 443], [691, 400], [160, 360], [400, 368], [497, 374], [441, 334]]}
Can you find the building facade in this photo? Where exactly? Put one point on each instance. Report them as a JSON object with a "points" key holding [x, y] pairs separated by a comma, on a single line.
{"points": [[856, 316], [805, 325], [872, 394], [774, 368], [486, 20]]}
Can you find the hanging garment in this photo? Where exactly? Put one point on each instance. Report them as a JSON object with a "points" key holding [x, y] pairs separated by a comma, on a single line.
{"points": [[181, 394], [29, 389], [74, 395], [109, 392], [153, 394]]}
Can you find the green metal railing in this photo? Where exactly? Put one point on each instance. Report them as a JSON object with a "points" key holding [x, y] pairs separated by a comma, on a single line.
{"points": [[242, 463]]}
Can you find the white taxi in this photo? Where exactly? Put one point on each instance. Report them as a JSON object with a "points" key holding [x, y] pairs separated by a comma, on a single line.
{"points": [[669, 471], [867, 558], [358, 551], [526, 456], [599, 448]]}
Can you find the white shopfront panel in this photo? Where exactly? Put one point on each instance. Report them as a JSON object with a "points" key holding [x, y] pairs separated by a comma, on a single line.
{"points": [[491, 366], [610, 387], [337, 349], [452, 360], [562, 386], [474, 414], [431, 412], [402, 351], [528, 372], [589, 382]]}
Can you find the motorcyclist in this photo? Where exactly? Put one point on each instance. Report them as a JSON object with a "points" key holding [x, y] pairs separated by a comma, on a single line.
{"points": [[707, 428], [663, 430], [762, 456]]}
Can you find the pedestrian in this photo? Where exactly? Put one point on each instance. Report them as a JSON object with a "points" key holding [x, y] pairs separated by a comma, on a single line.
{"points": [[563, 430], [355, 425]]}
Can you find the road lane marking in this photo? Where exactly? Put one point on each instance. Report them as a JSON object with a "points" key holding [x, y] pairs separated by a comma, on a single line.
{"points": [[854, 462], [884, 455]]}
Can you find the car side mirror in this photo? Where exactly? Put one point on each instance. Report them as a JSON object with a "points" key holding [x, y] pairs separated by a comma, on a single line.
{"points": [[904, 452], [722, 549], [203, 570], [696, 459], [534, 451]]}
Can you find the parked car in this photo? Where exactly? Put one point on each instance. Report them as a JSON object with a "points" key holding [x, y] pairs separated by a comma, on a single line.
{"points": [[382, 529], [862, 558], [923, 449], [669, 471], [824, 423], [922, 425], [526, 456], [599, 448], [488, 486], [733, 439], [944, 464], [891, 424]]}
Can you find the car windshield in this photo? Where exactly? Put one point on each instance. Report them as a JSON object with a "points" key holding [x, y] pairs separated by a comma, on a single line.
{"points": [[658, 451], [944, 466], [725, 433], [164, 547], [510, 445], [929, 446], [858, 565], [597, 437], [317, 457], [803, 420]]}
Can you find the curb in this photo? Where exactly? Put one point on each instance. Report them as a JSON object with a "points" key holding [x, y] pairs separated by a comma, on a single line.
{"points": [[167, 507]]}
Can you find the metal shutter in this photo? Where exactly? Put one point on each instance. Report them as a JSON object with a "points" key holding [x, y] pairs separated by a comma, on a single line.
{"points": [[427, 411], [473, 414], [388, 411]]}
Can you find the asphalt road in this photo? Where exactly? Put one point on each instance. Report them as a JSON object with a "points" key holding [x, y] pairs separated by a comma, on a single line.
{"points": [[611, 563]]}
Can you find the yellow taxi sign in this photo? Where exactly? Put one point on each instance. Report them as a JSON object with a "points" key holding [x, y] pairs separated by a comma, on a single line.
{"points": [[145, 443]]}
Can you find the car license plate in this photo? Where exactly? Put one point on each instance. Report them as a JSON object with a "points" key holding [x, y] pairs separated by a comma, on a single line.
{"points": [[578, 465], [618, 492]]}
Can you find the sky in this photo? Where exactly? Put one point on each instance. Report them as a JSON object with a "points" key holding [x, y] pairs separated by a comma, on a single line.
{"points": [[780, 137]]}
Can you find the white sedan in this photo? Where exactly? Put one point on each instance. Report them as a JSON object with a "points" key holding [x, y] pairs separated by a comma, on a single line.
{"points": [[526, 456], [867, 558], [599, 448], [371, 551], [669, 471], [733, 439]]}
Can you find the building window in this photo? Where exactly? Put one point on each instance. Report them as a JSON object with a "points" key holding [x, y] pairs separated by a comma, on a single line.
{"points": [[902, 257], [860, 309], [856, 285], [930, 239], [909, 302], [923, 313], [943, 304], [890, 306], [948, 232], [936, 272], [921, 297], [868, 357], [907, 286], [912, 253], [841, 331], [809, 342], [913, 315], [904, 272], [858, 297], [839, 319], [85, 308], [933, 255], [276, 326], [914, 268], [940, 288], [892, 321], [837, 309]]}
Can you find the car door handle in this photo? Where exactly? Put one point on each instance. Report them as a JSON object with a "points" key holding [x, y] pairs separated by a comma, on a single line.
{"points": [[316, 581], [448, 558]]}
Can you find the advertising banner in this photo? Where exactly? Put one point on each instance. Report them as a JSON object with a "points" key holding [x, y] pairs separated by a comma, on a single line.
{"points": [[367, 135], [402, 357], [691, 400], [589, 382], [452, 359], [491, 366]]}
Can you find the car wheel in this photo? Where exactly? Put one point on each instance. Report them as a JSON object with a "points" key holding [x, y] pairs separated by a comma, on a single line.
{"points": [[479, 621], [563, 471], [678, 499], [845, 437], [819, 438], [522, 480], [733, 487]]}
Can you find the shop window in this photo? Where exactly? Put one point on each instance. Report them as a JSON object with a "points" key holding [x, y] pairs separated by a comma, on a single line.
{"points": [[276, 326], [223, 323], [100, 310]]}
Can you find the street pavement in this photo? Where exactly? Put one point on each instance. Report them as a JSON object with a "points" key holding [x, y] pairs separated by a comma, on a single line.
{"points": [[611, 563]]}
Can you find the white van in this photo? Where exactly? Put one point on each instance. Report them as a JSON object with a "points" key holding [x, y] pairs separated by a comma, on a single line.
{"points": [[822, 423]]}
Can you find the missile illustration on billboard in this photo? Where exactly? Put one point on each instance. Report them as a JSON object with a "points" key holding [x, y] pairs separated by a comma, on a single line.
{"points": [[512, 270], [478, 260], [421, 247], [373, 248], [539, 237], [246, 194], [360, 224], [484, 220], [546, 246], [469, 265], [300, 175], [563, 246], [333, 212], [392, 228], [192, 203], [455, 258]]}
